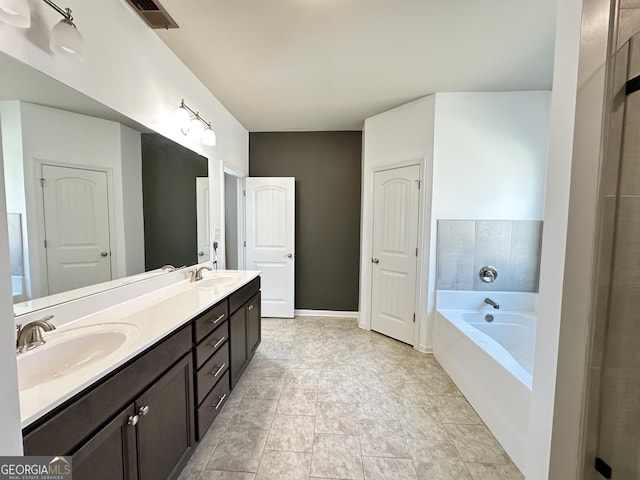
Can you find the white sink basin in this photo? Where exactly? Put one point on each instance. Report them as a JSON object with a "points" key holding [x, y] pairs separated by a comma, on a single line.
{"points": [[68, 350], [219, 280]]}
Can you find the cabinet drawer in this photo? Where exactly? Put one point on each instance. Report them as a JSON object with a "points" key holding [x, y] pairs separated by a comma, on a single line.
{"points": [[209, 321], [237, 299], [69, 425], [211, 344], [212, 405], [211, 372]]}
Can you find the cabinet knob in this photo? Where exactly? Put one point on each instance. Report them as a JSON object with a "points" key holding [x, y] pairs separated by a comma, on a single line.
{"points": [[133, 420], [143, 410], [250, 307]]}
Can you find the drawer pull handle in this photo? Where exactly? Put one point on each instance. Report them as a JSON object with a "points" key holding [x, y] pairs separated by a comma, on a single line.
{"points": [[218, 343], [221, 399], [217, 372], [133, 420], [143, 410], [217, 319]]}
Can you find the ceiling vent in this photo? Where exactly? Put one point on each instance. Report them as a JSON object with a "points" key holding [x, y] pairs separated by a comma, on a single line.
{"points": [[153, 13]]}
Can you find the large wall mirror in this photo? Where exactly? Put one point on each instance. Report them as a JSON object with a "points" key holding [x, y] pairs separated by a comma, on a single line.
{"points": [[94, 200]]}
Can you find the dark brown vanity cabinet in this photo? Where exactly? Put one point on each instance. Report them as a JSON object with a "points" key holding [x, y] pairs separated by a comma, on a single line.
{"points": [[141, 422], [151, 435], [244, 327], [211, 357]]}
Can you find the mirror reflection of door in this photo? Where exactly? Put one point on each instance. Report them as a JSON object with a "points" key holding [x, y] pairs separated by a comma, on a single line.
{"points": [[76, 220], [202, 219]]}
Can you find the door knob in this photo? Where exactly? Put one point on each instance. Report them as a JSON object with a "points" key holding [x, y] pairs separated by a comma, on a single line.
{"points": [[201, 254], [375, 260], [103, 254], [290, 255]]}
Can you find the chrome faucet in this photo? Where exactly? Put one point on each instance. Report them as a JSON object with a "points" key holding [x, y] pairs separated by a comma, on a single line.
{"points": [[488, 301], [196, 275], [30, 336]]}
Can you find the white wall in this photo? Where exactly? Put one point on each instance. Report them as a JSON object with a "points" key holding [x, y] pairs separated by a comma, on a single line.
{"points": [[131, 158], [10, 434], [401, 136]]}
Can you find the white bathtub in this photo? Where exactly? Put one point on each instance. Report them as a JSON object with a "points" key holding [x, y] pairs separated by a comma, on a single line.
{"points": [[491, 362]]}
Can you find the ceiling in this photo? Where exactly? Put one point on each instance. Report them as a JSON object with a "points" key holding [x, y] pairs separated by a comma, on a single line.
{"points": [[281, 65]]}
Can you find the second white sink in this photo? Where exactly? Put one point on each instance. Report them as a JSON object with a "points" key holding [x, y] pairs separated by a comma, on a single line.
{"points": [[219, 280], [69, 350]]}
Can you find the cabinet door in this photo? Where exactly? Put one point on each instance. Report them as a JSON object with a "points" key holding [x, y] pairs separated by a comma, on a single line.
{"points": [[111, 453], [238, 344], [166, 425], [254, 324]]}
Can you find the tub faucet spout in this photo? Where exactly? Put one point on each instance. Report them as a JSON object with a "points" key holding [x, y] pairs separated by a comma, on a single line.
{"points": [[488, 301]]}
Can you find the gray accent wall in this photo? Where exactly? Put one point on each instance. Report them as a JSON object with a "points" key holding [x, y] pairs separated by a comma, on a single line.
{"points": [[511, 246], [327, 169]]}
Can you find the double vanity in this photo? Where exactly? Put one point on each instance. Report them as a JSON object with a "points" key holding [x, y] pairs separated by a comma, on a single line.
{"points": [[129, 390]]}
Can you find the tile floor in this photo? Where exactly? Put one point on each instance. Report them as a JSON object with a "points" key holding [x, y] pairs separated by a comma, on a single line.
{"points": [[323, 399]]}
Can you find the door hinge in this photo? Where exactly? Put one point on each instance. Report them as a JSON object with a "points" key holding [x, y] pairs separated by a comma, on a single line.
{"points": [[418, 182], [414, 318], [244, 243], [45, 243], [603, 468], [244, 193], [416, 251], [41, 182]]}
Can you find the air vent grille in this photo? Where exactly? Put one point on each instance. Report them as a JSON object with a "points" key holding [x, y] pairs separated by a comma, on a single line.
{"points": [[154, 14]]}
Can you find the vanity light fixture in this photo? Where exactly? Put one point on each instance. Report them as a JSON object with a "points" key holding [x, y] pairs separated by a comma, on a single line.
{"points": [[191, 123], [16, 13], [64, 38]]}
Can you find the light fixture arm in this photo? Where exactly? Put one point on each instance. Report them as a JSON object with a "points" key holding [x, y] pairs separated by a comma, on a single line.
{"points": [[188, 109], [66, 13]]}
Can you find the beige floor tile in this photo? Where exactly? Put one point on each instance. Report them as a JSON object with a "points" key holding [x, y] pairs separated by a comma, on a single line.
{"points": [[476, 444], [450, 409], [274, 367], [388, 469], [483, 471], [265, 388], [337, 456], [239, 450], [284, 466], [383, 438], [423, 424], [298, 401], [291, 433], [220, 475], [197, 463], [337, 418], [254, 413], [438, 461]]}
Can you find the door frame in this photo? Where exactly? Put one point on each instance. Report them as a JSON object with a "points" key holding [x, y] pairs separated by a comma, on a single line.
{"points": [[41, 261], [240, 214], [424, 241]]}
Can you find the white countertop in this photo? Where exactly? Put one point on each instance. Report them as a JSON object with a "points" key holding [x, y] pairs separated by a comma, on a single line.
{"points": [[153, 317]]}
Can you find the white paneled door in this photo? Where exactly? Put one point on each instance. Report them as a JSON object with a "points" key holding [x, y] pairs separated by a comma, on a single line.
{"points": [[76, 217], [395, 250], [270, 233]]}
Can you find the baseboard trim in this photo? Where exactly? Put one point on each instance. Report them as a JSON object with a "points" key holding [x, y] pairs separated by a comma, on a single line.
{"points": [[425, 349], [325, 313]]}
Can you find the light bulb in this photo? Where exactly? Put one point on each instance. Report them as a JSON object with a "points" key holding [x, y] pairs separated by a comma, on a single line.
{"points": [[196, 129], [66, 40], [16, 13], [209, 137], [182, 117]]}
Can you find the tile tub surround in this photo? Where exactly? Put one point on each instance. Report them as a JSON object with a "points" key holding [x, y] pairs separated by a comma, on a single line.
{"points": [[155, 315], [511, 246], [345, 403]]}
